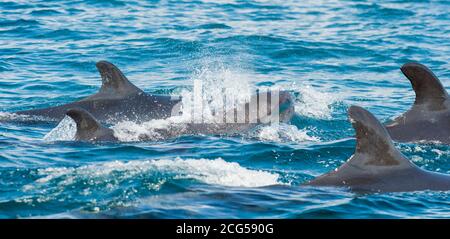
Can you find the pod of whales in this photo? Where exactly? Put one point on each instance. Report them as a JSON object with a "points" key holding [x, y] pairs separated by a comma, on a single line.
{"points": [[89, 129], [377, 166], [429, 117], [260, 109], [117, 100]]}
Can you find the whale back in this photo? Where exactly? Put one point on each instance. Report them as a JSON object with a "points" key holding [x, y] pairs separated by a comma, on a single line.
{"points": [[117, 100]]}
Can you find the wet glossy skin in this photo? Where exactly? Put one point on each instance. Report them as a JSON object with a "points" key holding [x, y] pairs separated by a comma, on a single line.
{"points": [[377, 166], [429, 117], [138, 107]]}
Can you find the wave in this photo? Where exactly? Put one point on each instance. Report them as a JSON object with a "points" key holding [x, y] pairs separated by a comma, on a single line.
{"points": [[113, 174]]}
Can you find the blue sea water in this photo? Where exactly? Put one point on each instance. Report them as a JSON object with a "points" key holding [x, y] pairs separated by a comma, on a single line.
{"points": [[329, 54]]}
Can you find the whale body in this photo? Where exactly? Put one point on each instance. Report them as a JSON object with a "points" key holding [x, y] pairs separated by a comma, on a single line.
{"points": [[260, 110], [377, 166], [429, 117], [117, 100]]}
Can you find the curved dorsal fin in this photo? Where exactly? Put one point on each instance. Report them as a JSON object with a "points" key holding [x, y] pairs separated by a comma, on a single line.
{"points": [[114, 81], [375, 154], [374, 146], [426, 85], [86, 123], [87, 126]]}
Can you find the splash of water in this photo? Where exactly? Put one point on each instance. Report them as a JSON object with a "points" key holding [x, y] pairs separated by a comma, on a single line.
{"points": [[313, 103], [64, 131], [153, 130], [216, 81]]}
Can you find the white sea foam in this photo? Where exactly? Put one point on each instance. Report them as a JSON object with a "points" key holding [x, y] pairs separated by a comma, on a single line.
{"points": [[7, 116], [153, 130], [440, 153], [65, 130], [216, 171], [283, 133], [314, 103]]}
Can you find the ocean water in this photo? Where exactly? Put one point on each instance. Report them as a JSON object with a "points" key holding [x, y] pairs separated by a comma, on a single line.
{"points": [[329, 54]]}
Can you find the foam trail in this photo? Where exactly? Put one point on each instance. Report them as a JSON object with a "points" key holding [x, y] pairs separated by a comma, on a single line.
{"points": [[216, 171], [310, 102], [8, 116]]}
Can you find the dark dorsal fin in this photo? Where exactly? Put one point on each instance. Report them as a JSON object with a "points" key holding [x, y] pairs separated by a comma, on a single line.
{"points": [[426, 85], [88, 128], [114, 81], [375, 155], [86, 123], [374, 146]]}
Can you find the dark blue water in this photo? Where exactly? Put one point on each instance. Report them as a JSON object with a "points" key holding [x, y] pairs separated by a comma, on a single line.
{"points": [[330, 54]]}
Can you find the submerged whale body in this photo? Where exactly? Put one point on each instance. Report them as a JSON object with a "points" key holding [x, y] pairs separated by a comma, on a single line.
{"points": [[429, 117], [88, 128], [377, 166], [117, 100]]}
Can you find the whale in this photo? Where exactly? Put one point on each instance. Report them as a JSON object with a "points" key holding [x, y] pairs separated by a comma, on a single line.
{"points": [[377, 166], [120, 100], [88, 128], [117, 100], [428, 120]]}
